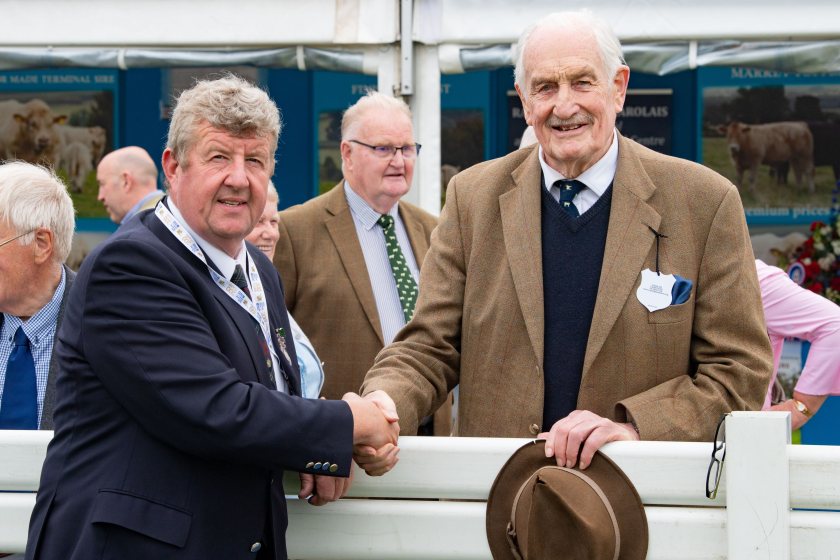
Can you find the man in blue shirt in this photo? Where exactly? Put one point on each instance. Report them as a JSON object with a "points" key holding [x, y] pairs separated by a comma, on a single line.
{"points": [[36, 231], [127, 183]]}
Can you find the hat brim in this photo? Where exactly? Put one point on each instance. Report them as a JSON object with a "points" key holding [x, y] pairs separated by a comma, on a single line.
{"points": [[622, 495]]}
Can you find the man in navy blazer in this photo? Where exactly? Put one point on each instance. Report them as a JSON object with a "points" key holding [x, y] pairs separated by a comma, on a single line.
{"points": [[177, 400]]}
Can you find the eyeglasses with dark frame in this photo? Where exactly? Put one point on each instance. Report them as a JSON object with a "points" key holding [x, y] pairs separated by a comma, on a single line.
{"points": [[718, 456], [9, 240], [409, 151]]}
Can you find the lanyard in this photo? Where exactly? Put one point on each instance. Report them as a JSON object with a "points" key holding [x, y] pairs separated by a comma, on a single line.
{"points": [[256, 308]]}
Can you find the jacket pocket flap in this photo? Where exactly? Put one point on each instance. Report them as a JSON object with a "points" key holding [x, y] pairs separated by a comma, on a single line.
{"points": [[158, 521]]}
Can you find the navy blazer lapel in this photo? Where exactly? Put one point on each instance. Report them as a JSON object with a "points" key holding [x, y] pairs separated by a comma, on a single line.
{"points": [[239, 317]]}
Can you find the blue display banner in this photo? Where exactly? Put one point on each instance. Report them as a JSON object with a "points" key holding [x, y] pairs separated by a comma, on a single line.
{"points": [[775, 136], [646, 118]]}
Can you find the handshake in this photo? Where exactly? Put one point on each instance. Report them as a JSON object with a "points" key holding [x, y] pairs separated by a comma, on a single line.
{"points": [[375, 431]]}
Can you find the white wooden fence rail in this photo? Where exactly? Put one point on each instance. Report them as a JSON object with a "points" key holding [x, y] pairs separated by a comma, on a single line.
{"points": [[437, 496]]}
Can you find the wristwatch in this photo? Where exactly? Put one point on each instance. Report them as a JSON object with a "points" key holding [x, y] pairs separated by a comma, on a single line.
{"points": [[800, 406]]}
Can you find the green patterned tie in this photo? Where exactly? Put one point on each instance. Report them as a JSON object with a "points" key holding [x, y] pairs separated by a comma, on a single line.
{"points": [[406, 286]]}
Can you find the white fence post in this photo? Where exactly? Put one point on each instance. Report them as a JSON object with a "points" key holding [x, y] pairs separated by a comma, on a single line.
{"points": [[758, 485]]}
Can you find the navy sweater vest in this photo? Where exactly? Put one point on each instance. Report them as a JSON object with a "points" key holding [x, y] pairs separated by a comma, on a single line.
{"points": [[572, 253]]}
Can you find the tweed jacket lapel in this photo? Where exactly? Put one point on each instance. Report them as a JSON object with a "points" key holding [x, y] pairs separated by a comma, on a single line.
{"points": [[629, 241], [416, 235], [342, 230], [520, 209]]}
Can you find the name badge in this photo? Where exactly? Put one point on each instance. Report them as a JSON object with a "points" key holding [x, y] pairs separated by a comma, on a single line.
{"points": [[654, 292]]}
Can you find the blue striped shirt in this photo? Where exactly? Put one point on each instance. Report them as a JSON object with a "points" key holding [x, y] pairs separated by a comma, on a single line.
{"points": [[372, 240], [40, 330]]}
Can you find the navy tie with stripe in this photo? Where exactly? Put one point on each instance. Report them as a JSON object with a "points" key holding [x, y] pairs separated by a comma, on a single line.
{"points": [[569, 189]]}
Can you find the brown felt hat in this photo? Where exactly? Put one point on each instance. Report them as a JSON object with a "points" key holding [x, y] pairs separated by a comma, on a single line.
{"points": [[539, 511]]}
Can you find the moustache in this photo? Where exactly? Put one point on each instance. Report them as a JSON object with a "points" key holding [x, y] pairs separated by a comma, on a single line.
{"points": [[574, 120]]}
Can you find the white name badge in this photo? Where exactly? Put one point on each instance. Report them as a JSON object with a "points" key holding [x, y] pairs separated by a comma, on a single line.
{"points": [[655, 290]]}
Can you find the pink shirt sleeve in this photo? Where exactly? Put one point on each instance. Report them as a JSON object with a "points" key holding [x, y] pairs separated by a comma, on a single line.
{"points": [[794, 312]]}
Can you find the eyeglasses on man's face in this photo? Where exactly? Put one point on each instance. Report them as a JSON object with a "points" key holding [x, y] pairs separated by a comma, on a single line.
{"points": [[409, 151], [9, 240], [718, 456]]}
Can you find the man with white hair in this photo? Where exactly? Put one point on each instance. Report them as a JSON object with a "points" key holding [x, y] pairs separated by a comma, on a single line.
{"points": [[350, 258], [127, 183], [36, 230], [587, 289]]}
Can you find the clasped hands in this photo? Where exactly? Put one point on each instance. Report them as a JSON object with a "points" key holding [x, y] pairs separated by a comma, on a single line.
{"points": [[375, 448], [375, 432]]}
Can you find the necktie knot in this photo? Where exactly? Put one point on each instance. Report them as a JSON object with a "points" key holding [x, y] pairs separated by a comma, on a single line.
{"points": [[386, 221], [569, 189], [21, 338], [239, 280]]}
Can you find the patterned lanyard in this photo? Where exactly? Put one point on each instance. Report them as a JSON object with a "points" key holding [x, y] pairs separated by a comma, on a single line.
{"points": [[256, 308]]}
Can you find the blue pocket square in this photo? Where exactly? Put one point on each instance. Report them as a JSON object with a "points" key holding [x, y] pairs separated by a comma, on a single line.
{"points": [[681, 290]]}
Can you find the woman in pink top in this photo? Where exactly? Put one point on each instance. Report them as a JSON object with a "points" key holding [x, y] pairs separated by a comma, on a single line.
{"points": [[792, 311]]}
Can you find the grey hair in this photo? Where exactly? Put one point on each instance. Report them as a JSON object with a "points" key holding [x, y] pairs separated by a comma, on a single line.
{"points": [[31, 197], [608, 43], [371, 101], [271, 194], [230, 103]]}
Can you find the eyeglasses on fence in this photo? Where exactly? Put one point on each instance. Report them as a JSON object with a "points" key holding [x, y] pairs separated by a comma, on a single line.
{"points": [[409, 151], [718, 456]]}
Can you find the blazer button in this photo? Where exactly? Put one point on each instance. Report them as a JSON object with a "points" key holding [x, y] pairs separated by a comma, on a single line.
{"points": [[317, 466], [310, 464], [256, 547], [333, 467], [534, 429], [325, 466]]}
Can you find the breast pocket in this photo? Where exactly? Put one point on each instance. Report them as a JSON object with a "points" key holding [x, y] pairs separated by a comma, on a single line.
{"points": [[673, 313]]}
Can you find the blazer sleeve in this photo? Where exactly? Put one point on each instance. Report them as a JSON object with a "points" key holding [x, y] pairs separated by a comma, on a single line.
{"points": [[155, 334], [422, 364]]}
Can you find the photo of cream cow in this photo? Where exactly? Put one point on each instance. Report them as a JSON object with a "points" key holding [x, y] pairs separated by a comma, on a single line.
{"points": [[773, 144], [28, 132]]}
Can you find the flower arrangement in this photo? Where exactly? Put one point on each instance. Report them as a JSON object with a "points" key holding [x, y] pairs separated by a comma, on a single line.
{"points": [[816, 263]]}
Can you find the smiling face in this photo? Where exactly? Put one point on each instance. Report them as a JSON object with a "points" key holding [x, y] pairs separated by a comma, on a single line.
{"points": [[381, 182], [568, 98], [265, 234], [221, 188]]}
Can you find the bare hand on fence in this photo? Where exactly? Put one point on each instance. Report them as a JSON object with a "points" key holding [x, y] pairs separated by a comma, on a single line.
{"points": [[583, 428]]}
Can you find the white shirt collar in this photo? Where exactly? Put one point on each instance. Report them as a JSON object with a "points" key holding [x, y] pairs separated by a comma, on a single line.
{"points": [[366, 215], [598, 177], [225, 262]]}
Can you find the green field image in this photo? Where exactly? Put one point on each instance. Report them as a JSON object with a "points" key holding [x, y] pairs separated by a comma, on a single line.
{"points": [[767, 191], [85, 202]]}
